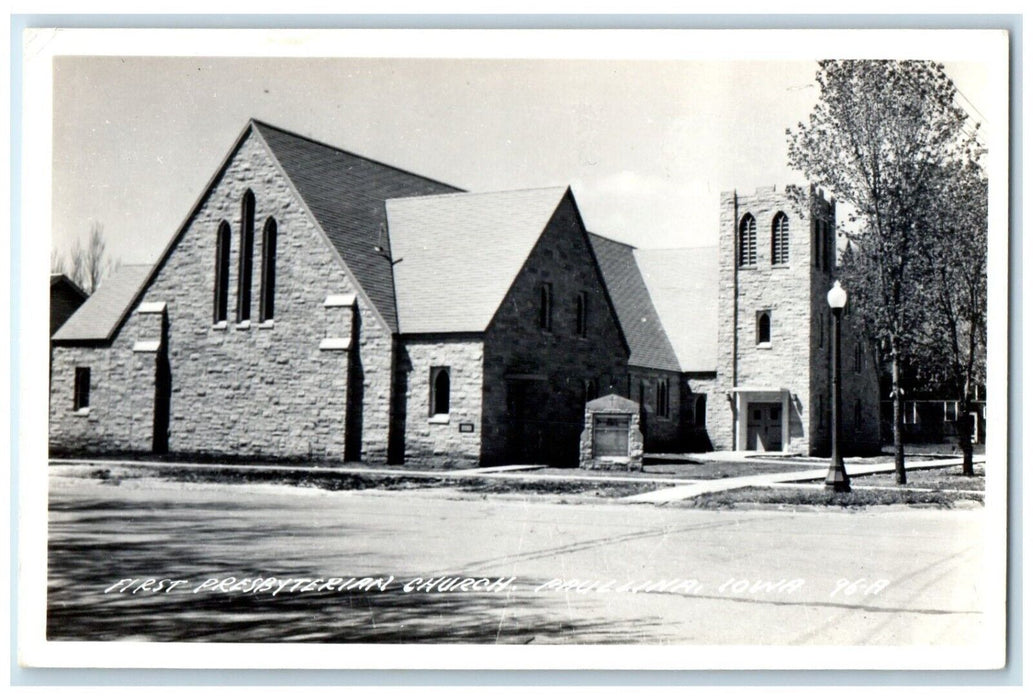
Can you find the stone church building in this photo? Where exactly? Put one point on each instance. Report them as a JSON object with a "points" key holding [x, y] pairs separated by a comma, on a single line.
{"points": [[319, 305]]}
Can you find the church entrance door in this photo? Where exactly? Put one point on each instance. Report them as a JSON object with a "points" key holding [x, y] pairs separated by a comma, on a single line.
{"points": [[764, 427]]}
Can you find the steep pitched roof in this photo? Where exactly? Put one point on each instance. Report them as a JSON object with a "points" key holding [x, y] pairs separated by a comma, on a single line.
{"points": [[458, 255], [682, 283], [648, 341], [101, 314], [346, 194]]}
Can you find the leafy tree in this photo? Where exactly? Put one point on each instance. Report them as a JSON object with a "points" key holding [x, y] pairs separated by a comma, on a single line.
{"points": [[879, 132], [954, 352]]}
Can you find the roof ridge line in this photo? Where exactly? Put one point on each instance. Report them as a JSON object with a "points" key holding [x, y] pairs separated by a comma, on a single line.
{"points": [[612, 240], [324, 144], [678, 247], [466, 193]]}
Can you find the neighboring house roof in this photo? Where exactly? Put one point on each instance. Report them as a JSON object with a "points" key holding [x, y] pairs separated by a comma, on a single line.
{"points": [[346, 193], [65, 297], [102, 313], [458, 255], [60, 277], [649, 344], [682, 283]]}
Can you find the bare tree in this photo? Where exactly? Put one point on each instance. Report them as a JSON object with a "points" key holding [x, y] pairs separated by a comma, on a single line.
{"points": [[90, 263], [57, 262]]}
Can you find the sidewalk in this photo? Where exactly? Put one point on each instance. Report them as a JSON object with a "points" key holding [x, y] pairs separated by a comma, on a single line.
{"points": [[680, 493], [680, 488], [509, 472]]}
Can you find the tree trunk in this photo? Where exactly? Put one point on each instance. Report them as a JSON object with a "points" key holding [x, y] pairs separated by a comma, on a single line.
{"points": [[965, 434], [898, 423]]}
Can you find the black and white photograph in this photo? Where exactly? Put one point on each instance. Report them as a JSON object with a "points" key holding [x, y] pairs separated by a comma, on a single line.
{"points": [[626, 349]]}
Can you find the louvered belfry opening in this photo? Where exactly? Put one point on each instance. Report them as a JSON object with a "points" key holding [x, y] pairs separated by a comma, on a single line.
{"points": [[780, 240], [748, 241]]}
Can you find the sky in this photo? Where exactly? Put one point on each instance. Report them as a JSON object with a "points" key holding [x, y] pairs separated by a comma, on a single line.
{"points": [[647, 146]]}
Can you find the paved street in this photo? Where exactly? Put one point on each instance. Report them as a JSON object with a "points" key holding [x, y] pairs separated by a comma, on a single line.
{"points": [[645, 574]]}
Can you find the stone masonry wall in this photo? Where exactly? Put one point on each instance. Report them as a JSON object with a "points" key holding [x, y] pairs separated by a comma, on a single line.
{"points": [[721, 411], [553, 366], [789, 293], [661, 433], [862, 437], [266, 389], [120, 417], [699, 430], [437, 439]]}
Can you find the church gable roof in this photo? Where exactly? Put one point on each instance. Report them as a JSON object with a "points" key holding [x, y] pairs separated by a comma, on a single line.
{"points": [[458, 255], [101, 314], [645, 333], [683, 283], [346, 195]]}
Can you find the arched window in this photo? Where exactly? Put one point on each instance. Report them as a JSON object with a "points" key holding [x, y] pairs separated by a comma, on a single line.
{"points": [[701, 411], [222, 273], [817, 244], [581, 321], [591, 390], [780, 239], [764, 328], [545, 306], [265, 308], [858, 357], [663, 398], [440, 390], [247, 251], [747, 241]]}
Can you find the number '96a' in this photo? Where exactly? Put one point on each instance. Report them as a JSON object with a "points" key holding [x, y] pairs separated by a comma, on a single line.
{"points": [[862, 586]]}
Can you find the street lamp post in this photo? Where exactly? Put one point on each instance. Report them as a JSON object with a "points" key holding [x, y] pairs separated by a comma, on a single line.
{"points": [[837, 478]]}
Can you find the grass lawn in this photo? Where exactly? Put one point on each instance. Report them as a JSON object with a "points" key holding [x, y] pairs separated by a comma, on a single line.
{"points": [[857, 498], [947, 478], [344, 481]]}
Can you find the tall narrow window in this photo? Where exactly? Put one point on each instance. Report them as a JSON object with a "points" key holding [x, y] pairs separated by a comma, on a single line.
{"points": [[764, 328], [591, 391], [440, 390], [663, 399], [247, 251], [265, 308], [701, 411], [82, 388], [824, 245], [780, 240], [545, 306], [821, 330], [222, 272], [857, 414], [858, 357], [817, 244], [581, 321], [747, 241]]}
